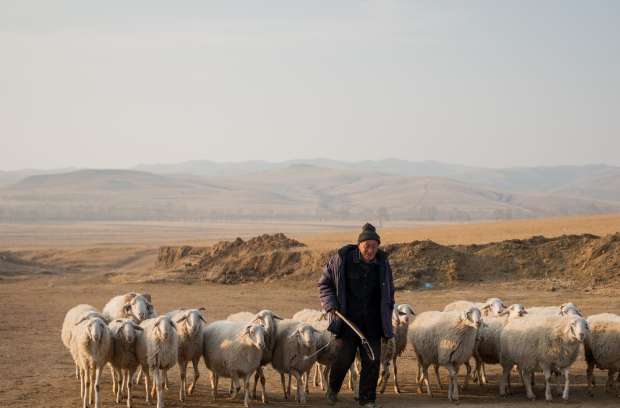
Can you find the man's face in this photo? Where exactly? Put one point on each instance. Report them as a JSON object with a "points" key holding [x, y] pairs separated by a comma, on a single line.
{"points": [[368, 249]]}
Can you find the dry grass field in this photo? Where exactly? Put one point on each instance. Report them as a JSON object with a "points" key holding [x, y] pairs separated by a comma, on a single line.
{"points": [[38, 370]]}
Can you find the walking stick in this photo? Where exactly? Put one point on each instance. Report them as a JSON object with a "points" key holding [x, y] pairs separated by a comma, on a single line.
{"points": [[357, 331]]}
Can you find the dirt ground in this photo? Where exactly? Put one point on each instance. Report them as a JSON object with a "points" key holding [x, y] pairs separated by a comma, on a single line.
{"points": [[38, 371], [87, 258]]}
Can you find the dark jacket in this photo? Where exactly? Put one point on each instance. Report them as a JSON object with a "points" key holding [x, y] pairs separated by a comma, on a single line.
{"points": [[332, 289]]}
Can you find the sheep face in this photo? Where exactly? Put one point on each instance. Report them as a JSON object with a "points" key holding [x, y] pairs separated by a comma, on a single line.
{"points": [[138, 308], [493, 307], [266, 319], [577, 329], [472, 317], [515, 310], [307, 336], [405, 314], [570, 309], [164, 327], [96, 328], [127, 330], [256, 334], [193, 320]]}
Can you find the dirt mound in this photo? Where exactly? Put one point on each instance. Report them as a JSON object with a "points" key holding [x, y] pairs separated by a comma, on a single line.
{"points": [[260, 258], [570, 259]]}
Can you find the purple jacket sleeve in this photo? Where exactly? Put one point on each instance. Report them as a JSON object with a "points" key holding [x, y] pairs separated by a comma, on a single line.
{"points": [[327, 285]]}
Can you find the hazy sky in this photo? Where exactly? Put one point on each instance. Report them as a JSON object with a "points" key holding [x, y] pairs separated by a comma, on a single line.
{"points": [[490, 83]]}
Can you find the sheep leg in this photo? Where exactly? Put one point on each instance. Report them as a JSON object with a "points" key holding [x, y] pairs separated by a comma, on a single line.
{"points": [[315, 374], [484, 374], [236, 387], [283, 381], [128, 375], [91, 388], [183, 374], [77, 372], [165, 372], [138, 375], [97, 386], [262, 385], [395, 368], [192, 386], [610, 380], [301, 390], [436, 367], [86, 381], [147, 380], [453, 385], [566, 383], [324, 376], [82, 384], [114, 383], [504, 380], [214, 380], [307, 381], [157, 380], [426, 381], [246, 390], [117, 389], [467, 374], [288, 388], [547, 373]]}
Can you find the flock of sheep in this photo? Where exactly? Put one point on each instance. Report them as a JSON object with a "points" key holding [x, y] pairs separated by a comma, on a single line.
{"points": [[136, 342]]}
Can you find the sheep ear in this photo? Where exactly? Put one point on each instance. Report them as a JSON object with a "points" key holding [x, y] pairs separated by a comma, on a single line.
{"points": [[127, 307], [82, 319], [323, 316], [275, 316], [147, 296], [117, 321], [202, 317], [118, 330], [184, 317], [173, 324], [202, 309], [137, 326], [504, 312]]}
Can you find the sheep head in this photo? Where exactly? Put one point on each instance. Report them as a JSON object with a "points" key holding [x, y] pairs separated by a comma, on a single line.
{"points": [[193, 319], [493, 307], [256, 334], [514, 310], [306, 336], [404, 314], [127, 329], [577, 328], [570, 309], [471, 317], [138, 307], [164, 327]]}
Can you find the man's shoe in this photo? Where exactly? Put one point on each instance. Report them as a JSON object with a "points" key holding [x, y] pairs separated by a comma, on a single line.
{"points": [[331, 397], [370, 404]]}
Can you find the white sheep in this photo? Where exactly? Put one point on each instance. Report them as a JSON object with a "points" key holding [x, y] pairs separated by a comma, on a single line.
{"points": [[91, 347], [444, 339], [74, 315], [294, 353], [325, 357], [564, 309], [131, 305], [487, 345], [124, 361], [267, 319], [191, 339], [490, 307], [392, 348], [157, 350], [541, 341], [602, 348], [233, 350]]}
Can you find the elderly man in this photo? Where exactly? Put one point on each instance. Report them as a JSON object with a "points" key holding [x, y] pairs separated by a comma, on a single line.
{"points": [[357, 281]]}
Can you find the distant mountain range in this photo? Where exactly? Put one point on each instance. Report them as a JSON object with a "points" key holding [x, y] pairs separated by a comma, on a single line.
{"points": [[317, 189]]}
